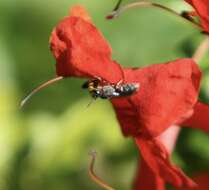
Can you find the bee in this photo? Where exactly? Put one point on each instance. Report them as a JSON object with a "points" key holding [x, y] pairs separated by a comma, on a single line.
{"points": [[99, 88]]}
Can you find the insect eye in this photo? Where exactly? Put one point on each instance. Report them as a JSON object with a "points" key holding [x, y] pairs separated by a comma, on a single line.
{"points": [[95, 85], [95, 82]]}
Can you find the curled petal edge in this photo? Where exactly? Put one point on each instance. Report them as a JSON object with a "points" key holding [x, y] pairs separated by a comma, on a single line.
{"points": [[156, 157]]}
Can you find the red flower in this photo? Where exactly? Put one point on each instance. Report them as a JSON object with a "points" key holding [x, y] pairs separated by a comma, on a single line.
{"points": [[168, 92], [202, 9]]}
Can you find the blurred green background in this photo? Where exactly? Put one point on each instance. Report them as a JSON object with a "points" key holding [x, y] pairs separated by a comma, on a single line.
{"points": [[45, 145]]}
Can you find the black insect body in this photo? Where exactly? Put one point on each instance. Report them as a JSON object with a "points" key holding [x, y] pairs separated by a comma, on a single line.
{"points": [[127, 89], [99, 88]]}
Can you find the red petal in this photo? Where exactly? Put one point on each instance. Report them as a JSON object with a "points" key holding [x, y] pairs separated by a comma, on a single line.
{"points": [[145, 179], [80, 49], [80, 11], [199, 118], [169, 137], [202, 180], [127, 116], [189, 1], [167, 93], [157, 158], [202, 8]]}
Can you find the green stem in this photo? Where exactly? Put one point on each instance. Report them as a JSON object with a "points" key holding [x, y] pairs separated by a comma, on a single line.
{"points": [[201, 50], [117, 5], [122, 9]]}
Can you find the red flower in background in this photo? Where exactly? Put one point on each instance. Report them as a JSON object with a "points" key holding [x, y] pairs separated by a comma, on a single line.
{"points": [[168, 92], [202, 10]]}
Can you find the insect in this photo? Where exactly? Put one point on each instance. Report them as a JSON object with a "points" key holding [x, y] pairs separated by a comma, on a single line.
{"points": [[99, 88]]}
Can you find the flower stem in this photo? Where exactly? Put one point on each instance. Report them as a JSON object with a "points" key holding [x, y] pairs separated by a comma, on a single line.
{"points": [[116, 12], [201, 50], [117, 5], [93, 176]]}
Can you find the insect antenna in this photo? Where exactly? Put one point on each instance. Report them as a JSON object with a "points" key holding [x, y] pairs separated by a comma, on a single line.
{"points": [[47, 83]]}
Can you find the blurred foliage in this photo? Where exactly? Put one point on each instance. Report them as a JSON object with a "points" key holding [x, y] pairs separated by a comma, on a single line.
{"points": [[45, 145]]}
